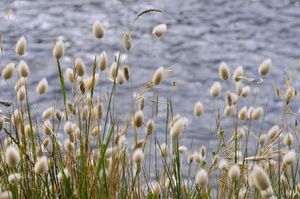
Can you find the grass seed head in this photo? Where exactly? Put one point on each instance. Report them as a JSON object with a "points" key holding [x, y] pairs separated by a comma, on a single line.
{"points": [[234, 172], [58, 49], [289, 158], [265, 67], [79, 67], [138, 119], [21, 46], [138, 155], [238, 73], [23, 69], [12, 156], [198, 109], [8, 71], [103, 61], [70, 75], [159, 30], [42, 86], [158, 76], [215, 89], [260, 178], [224, 72], [41, 166], [201, 178], [98, 30]]}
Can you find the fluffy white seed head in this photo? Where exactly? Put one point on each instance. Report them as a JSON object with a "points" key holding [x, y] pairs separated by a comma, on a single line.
{"points": [[178, 127], [103, 61], [70, 75], [159, 30], [234, 172], [215, 89], [245, 91], [121, 78], [238, 88], [263, 139], [79, 67], [201, 178], [138, 119], [42, 86], [265, 67], [69, 146], [257, 113], [138, 155], [12, 156], [23, 69], [289, 158], [65, 174], [114, 70], [149, 127], [182, 149], [21, 46], [21, 93], [163, 150], [198, 109], [288, 139], [273, 132], [41, 166], [238, 73], [260, 178], [98, 30], [158, 76], [243, 113], [127, 42], [224, 72], [58, 49], [228, 110], [8, 71], [14, 178], [21, 82], [68, 128], [156, 190], [223, 164]]}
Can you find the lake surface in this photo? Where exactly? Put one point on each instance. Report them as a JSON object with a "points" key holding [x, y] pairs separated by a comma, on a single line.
{"points": [[201, 34]]}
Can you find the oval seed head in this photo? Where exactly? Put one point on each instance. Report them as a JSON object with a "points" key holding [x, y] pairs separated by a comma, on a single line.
{"points": [[245, 91], [228, 110], [289, 158], [12, 156], [228, 98], [21, 82], [215, 89], [288, 139], [149, 127], [23, 69], [103, 61], [69, 146], [238, 88], [201, 178], [126, 72], [8, 71], [14, 178], [263, 139], [223, 164], [238, 73], [79, 67], [58, 49], [138, 155], [224, 71], [234, 172], [178, 127], [158, 76], [114, 70], [260, 178], [127, 41], [138, 118], [198, 109], [98, 30], [156, 190], [21, 94], [182, 149], [265, 67], [42, 86], [120, 78], [21, 46], [273, 132], [290, 92], [243, 113], [69, 128], [257, 113], [41, 166], [159, 30], [70, 75]]}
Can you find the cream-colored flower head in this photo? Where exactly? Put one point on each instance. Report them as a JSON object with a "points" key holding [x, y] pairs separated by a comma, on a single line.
{"points": [[41, 166], [198, 109], [42, 86], [12, 156], [138, 119], [8, 71], [21, 46], [58, 49], [103, 61], [224, 72], [98, 30], [23, 69], [265, 67], [201, 178], [159, 30], [234, 172], [215, 89], [158, 76], [138, 155]]}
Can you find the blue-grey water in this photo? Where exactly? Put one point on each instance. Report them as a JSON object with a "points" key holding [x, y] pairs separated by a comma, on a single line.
{"points": [[201, 34]]}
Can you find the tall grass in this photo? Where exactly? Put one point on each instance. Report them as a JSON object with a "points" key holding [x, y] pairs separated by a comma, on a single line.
{"points": [[98, 158]]}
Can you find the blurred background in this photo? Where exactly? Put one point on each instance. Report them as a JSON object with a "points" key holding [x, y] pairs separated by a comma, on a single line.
{"points": [[201, 34]]}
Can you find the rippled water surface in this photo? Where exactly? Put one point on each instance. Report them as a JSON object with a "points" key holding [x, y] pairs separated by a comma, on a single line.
{"points": [[201, 34]]}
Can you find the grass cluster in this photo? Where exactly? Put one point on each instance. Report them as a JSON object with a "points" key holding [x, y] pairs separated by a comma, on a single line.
{"points": [[99, 157]]}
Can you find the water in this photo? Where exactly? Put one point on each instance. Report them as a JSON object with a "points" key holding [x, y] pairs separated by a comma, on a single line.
{"points": [[201, 34]]}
